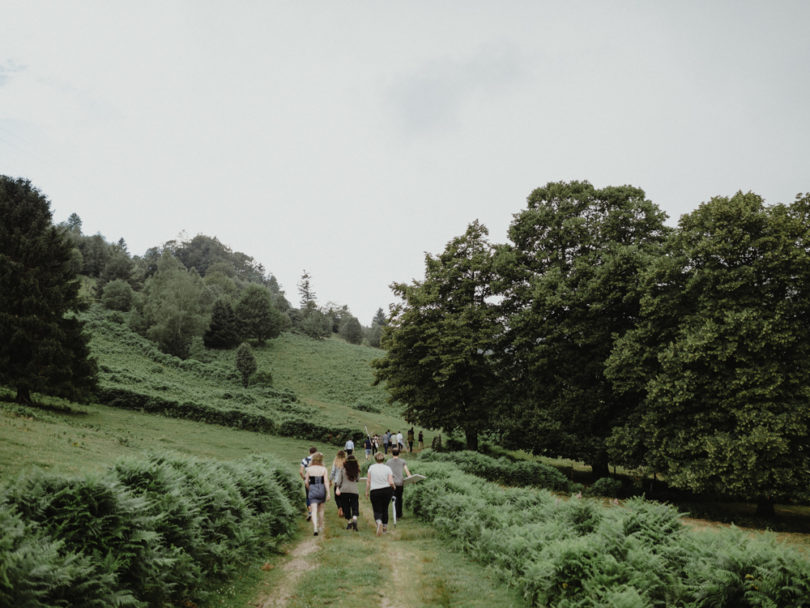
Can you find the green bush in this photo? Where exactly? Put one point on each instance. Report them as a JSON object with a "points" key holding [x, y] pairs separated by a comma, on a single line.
{"points": [[237, 418], [577, 552], [262, 377], [117, 295], [605, 486], [303, 429], [502, 470], [149, 532]]}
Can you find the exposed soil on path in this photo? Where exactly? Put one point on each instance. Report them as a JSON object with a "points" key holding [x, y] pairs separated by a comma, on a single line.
{"points": [[293, 570]]}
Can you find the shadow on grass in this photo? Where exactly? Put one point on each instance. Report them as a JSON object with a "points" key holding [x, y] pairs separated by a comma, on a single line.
{"points": [[40, 403]]}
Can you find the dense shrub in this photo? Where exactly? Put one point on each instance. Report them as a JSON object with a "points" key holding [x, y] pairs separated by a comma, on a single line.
{"points": [[117, 295], [148, 532], [578, 552], [237, 418], [605, 486], [304, 429], [502, 470], [367, 403]]}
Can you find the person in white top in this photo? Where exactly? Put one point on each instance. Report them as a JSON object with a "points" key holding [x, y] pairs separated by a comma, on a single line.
{"points": [[380, 488]]}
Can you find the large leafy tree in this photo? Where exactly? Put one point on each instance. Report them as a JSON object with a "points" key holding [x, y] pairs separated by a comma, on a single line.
{"points": [[42, 345], [439, 340], [722, 353], [570, 288], [175, 307]]}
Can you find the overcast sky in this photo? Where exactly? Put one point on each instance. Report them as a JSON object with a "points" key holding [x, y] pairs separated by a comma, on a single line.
{"points": [[349, 138]]}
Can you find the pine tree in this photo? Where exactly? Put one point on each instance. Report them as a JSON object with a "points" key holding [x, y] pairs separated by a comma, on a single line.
{"points": [[42, 346], [245, 362], [223, 331]]}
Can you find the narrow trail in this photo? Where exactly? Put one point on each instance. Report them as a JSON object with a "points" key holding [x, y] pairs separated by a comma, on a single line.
{"points": [[408, 567], [300, 563]]}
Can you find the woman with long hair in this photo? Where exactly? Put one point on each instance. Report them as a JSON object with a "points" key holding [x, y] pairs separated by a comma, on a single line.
{"points": [[346, 487], [337, 465], [318, 489]]}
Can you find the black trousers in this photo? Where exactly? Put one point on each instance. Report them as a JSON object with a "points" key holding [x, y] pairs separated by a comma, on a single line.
{"points": [[351, 505], [399, 503], [380, 500]]}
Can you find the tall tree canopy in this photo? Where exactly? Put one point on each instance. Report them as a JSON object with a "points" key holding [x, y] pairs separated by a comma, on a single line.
{"points": [[175, 307], [570, 287], [223, 331], [439, 340], [256, 316], [42, 346], [722, 354]]}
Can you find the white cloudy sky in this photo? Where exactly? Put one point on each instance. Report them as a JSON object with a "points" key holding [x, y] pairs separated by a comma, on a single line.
{"points": [[349, 138]]}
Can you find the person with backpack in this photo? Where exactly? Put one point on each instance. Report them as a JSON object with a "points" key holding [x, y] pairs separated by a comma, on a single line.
{"points": [[317, 485], [346, 488]]}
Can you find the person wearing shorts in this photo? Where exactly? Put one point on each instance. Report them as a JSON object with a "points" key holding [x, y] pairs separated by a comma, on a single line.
{"points": [[316, 481], [302, 471]]}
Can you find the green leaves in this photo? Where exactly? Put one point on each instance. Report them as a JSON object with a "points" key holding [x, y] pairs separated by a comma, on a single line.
{"points": [[579, 252], [724, 355], [578, 552], [153, 531], [42, 345], [439, 341]]}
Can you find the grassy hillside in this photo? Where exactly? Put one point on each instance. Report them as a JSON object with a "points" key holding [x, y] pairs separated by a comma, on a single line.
{"points": [[328, 383]]}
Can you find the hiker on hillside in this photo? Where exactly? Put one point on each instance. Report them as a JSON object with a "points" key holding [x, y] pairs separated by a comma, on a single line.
{"points": [[337, 465], [399, 443], [346, 488], [349, 447], [421, 441], [380, 489], [317, 485], [410, 439], [400, 470], [386, 440], [367, 446], [302, 471]]}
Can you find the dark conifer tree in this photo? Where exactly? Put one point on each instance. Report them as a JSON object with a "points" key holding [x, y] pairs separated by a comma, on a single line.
{"points": [[223, 331], [42, 346], [245, 362]]}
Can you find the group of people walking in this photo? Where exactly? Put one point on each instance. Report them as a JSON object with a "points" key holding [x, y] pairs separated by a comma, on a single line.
{"points": [[375, 443], [383, 485]]}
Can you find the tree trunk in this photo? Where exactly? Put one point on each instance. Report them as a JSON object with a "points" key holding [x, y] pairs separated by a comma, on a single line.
{"points": [[23, 395], [472, 439], [599, 467], [765, 508]]}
